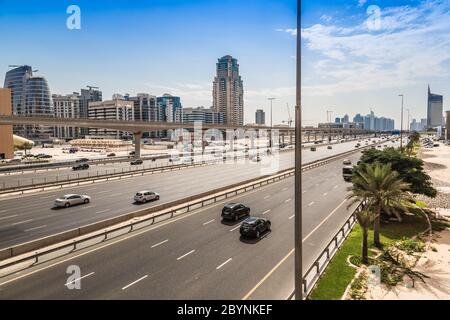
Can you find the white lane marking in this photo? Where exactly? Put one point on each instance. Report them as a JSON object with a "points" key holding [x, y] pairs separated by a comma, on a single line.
{"points": [[1, 211], [103, 211], [211, 221], [73, 281], [160, 243], [223, 264], [36, 228], [324, 220], [325, 194], [288, 200], [8, 217], [292, 217], [235, 228], [268, 275], [134, 282], [100, 192], [335, 187], [266, 212], [284, 189], [305, 191], [311, 204], [21, 222], [185, 255], [266, 197]]}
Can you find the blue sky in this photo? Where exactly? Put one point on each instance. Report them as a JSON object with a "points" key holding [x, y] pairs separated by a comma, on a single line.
{"points": [[159, 46]]}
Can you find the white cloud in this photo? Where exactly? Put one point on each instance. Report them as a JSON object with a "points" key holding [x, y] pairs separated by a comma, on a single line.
{"points": [[411, 47], [361, 3]]}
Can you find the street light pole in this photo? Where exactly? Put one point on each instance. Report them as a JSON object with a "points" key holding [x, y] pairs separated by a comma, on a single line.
{"points": [[298, 163], [401, 125], [271, 121]]}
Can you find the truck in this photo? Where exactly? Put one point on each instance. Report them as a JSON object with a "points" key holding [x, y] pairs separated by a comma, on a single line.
{"points": [[347, 173]]}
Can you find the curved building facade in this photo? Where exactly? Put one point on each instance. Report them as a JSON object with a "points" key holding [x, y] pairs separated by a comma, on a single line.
{"points": [[30, 96]]}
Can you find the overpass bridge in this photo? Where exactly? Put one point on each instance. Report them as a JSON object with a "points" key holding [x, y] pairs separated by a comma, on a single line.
{"points": [[138, 127]]}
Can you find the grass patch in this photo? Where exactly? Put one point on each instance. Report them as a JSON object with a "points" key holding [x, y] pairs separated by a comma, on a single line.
{"points": [[339, 274]]}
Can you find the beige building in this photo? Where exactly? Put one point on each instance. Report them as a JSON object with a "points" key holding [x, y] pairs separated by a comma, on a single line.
{"points": [[111, 110], [6, 132]]}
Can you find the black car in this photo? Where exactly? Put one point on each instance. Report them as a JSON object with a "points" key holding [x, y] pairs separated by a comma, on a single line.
{"points": [[136, 162], [111, 155], [255, 227], [81, 166], [235, 211], [82, 160]]}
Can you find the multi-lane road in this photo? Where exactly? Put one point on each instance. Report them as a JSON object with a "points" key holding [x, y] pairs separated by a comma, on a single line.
{"points": [[196, 256], [29, 217]]}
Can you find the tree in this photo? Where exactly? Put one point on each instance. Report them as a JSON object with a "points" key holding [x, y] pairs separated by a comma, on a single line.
{"points": [[414, 137], [410, 169], [382, 190], [365, 219], [25, 146]]}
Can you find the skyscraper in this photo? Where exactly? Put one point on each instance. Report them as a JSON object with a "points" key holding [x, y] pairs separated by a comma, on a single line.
{"points": [[228, 91], [67, 106], [30, 96], [260, 117], [170, 108], [87, 96], [435, 109]]}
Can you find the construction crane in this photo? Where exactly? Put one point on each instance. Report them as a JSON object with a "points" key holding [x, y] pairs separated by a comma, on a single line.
{"points": [[290, 120]]}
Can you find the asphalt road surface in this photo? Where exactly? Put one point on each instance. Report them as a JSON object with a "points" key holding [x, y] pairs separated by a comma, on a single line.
{"points": [[197, 256], [30, 217]]}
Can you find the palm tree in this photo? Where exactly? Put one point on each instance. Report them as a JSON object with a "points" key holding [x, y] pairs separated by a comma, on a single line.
{"points": [[382, 190], [365, 219]]}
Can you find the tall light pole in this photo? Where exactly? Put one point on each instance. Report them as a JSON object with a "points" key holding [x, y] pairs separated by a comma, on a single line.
{"points": [[271, 120], [401, 125], [329, 119], [298, 163]]}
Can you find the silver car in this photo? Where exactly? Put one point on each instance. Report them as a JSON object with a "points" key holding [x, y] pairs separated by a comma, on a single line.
{"points": [[145, 196], [71, 200]]}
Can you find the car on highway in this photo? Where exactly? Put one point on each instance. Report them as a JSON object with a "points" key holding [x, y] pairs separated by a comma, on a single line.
{"points": [[82, 160], [44, 156], [136, 162], [255, 227], [256, 159], [330, 147], [347, 173], [132, 153], [347, 162], [111, 155], [313, 149], [145, 196], [71, 200], [81, 166], [235, 211]]}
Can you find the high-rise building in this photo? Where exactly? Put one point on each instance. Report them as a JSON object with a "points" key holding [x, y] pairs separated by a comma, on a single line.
{"points": [[447, 125], [203, 115], [111, 110], [169, 108], [435, 109], [260, 117], [358, 119], [30, 96], [6, 132], [346, 119], [337, 120], [146, 110], [67, 106], [228, 91], [87, 96]]}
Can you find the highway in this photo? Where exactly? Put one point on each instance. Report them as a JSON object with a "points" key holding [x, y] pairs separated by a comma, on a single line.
{"points": [[29, 217], [196, 256]]}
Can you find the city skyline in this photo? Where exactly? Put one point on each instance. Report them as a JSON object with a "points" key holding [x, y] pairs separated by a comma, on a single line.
{"points": [[331, 51]]}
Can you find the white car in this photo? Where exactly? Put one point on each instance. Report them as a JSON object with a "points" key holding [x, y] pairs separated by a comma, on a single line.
{"points": [[145, 196], [71, 200]]}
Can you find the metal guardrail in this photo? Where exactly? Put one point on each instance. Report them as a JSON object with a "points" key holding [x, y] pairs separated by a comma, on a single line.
{"points": [[131, 224], [312, 276], [111, 174]]}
